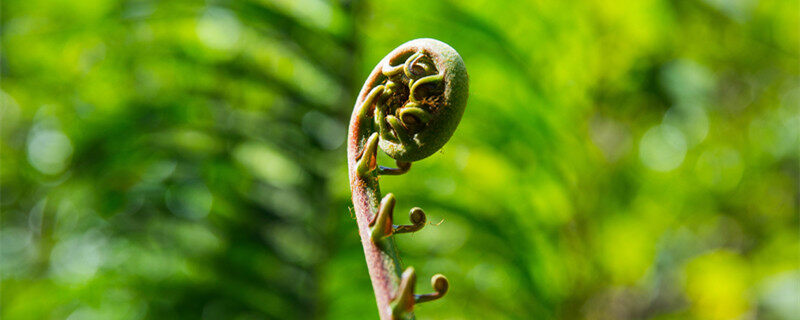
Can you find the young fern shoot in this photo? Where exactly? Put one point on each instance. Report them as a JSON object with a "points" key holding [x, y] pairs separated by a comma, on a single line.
{"points": [[409, 106]]}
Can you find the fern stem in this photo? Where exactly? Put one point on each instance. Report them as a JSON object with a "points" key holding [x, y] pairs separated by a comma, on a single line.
{"points": [[410, 114]]}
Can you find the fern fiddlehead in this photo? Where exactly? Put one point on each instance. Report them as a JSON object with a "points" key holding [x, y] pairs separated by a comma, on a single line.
{"points": [[409, 106]]}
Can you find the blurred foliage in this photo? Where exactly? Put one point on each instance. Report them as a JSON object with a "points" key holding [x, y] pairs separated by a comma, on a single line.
{"points": [[180, 159]]}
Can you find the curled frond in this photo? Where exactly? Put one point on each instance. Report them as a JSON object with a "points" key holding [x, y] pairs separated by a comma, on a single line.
{"points": [[423, 88]]}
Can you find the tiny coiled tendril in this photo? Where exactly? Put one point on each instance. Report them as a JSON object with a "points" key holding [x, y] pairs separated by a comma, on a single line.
{"points": [[409, 107]]}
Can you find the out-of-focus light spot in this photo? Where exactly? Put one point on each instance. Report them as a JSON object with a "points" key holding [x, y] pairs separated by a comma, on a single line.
{"points": [[328, 132], [316, 12], [219, 29], [13, 240], [194, 141], [85, 313], [461, 157], [738, 10], [611, 137], [791, 96], [18, 253], [77, 259], [49, 151], [138, 10], [720, 168], [691, 120], [626, 249], [9, 112], [35, 216], [716, 285], [662, 148], [191, 201], [269, 164], [125, 304], [196, 237], [72, 216], [159, 171], [115, 304], [687, 82], [779, 296]]}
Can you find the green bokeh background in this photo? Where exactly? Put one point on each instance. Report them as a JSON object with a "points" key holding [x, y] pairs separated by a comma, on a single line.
{"points": [[616, 160]]}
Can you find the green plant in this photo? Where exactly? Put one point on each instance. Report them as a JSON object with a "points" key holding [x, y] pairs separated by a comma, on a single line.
{"points": [[410, 106]]}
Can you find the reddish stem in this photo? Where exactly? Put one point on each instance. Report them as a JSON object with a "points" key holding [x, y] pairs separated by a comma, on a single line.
{"points": [[383, 263]]}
